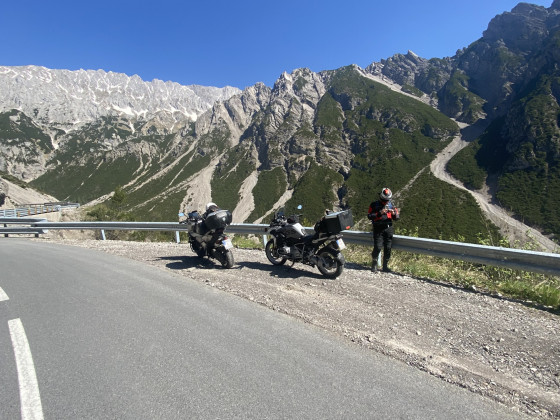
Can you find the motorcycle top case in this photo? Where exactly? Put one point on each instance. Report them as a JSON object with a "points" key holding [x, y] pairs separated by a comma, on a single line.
{"points": [[218, 219], [335, 222]]}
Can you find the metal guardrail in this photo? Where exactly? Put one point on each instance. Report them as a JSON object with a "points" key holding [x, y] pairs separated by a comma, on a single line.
{"points": [[516, 259], [34, 209], [101, 226], [538, 262], [8, 229]]}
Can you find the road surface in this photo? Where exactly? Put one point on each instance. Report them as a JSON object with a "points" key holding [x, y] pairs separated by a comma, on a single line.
{"points": [[112, 338]]}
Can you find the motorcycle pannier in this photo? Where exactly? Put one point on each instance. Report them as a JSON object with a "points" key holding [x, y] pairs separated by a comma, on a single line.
{"points": [[336, 222], [218, 219]]}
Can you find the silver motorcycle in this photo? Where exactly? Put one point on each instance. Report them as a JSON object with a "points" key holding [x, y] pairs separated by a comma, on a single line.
{"points": [[322, 248]]}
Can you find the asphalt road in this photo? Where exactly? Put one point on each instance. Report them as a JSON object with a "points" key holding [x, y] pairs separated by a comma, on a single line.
{"points": [[110, 338]]}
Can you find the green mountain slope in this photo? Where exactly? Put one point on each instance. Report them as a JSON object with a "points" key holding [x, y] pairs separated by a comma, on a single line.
{"points": [[522, 149], [333, 150]]}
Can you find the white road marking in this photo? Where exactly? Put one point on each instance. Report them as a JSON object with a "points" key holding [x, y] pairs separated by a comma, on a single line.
{"points": [[31, 408], [3, 295]]}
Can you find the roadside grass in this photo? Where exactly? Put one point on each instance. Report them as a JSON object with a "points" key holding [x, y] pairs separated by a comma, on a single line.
{"points": [[247, 242]]}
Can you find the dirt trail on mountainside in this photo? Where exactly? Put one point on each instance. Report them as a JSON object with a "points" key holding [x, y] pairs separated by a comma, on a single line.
{"points": [[511, 228]]}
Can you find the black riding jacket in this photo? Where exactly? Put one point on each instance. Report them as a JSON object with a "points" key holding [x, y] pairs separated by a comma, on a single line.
{"points": [[378, 216]]}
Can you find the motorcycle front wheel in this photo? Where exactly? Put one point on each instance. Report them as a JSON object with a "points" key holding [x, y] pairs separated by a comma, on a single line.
{"points": [[329, 265], [195, 246], [272, 254]]}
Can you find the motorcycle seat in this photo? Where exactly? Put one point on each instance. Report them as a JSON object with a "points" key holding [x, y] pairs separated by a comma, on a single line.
{"points": [[321, 236]]}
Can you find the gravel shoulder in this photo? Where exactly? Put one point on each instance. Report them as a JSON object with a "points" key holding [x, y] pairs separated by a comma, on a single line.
{"points": [[502, 349]]}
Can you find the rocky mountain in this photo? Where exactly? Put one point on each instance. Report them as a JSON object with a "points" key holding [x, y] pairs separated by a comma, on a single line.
{"points": [[54, 103], [324, 140], [68, 98], [483, 79]]}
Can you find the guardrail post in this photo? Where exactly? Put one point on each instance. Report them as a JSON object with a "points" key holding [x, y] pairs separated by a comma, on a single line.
{"points": [[103, 234], [5, 235], [265, 239], [177, 239]]}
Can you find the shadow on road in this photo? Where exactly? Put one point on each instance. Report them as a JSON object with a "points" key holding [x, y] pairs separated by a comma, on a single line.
{"points": [[286, 271], [182, 262]]}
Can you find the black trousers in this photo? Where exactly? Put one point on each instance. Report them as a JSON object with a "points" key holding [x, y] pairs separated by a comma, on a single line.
{"points": [[382, 237]]}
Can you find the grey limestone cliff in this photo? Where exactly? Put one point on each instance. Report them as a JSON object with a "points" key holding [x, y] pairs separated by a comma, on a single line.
{"points": [[68, 98]]}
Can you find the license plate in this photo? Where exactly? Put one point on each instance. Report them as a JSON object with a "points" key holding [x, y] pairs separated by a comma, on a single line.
{"points": [[227, 243], [341, 244]]}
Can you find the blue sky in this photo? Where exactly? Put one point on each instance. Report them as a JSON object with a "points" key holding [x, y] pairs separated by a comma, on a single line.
{"points": [[235, 43]]}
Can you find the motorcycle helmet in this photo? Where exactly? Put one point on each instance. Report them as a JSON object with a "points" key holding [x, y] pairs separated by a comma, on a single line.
{"points": [[210, 205], [385, 194]]}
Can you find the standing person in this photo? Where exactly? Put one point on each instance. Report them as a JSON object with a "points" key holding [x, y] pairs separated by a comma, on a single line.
{"points": [[382, 213]]}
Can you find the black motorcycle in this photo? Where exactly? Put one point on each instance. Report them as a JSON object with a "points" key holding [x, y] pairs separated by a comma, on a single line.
{"points": [[207, 237], [291, 242]]}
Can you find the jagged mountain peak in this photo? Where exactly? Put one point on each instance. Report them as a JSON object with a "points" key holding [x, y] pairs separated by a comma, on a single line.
{"points": [[68, 97], [522, 28]]}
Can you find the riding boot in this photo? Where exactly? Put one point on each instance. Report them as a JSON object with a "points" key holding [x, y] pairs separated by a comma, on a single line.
{"points": [[386, 269], [374, 259]]}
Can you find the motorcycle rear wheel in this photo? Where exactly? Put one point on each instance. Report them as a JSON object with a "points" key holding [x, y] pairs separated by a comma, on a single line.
{"points": [[226, 258], [272, 254], [329, 265]]}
